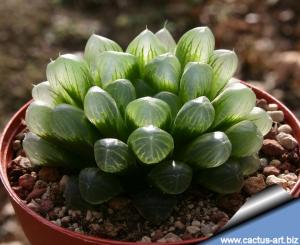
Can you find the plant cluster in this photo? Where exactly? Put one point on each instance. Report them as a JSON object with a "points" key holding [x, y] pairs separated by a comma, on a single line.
{"points": [[149, 122]]}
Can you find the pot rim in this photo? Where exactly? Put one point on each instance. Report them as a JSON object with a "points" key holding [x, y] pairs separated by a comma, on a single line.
{"points": [[14, 126]]}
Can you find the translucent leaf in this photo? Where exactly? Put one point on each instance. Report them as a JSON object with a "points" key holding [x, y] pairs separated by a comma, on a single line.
{"points": [[143, 89], [171, 177], [122, 91], [209, 150], [163, 73], [101, 109], [69, 78], [232, 104], [38, 117], [72, 128], [146, 46], [43, 92], [172, 100], [167, 39], [112, 155], [44, 153], [194, 118], [224, 64], [154, 206], [195, 45], [245, 138], [195, 81], [97, 187], [225, 179], [148, 111], [72, 195], [97, 45], [261, 119], [250, 164], [150, 144], [113, 65]]}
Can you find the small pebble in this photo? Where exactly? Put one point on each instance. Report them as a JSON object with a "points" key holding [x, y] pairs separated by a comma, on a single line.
{"points": [[49, 174], [171, 237], [275, 162], [271, 170], [196, 223], [272, 148], [285, 128], [193, 229], [287, 140], [289, 177], [272, 107], [146, 239], [263, 162], [27, 181], [272, 179], [254, 184], [191, 206], [277, 116], [179, 225], [262, 103]]}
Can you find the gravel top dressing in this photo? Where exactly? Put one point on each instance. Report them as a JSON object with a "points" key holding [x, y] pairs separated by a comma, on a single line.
{"points": [[197, 213]]}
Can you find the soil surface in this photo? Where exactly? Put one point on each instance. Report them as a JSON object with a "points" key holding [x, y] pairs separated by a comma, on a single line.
{"points": [[198, 212], [264, 34]]}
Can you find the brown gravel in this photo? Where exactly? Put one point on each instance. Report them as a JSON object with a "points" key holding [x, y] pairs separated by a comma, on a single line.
{"points": [[198, 212]]}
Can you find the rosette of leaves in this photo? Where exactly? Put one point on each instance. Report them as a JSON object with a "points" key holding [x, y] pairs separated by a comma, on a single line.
{"points": [[149, 122]]}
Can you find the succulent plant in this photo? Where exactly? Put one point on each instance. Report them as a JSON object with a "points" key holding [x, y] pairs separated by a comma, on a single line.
{"points": [[148, 123]]}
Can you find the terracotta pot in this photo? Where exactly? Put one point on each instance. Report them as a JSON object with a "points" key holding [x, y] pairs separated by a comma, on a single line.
{"points": [[40, 231]]}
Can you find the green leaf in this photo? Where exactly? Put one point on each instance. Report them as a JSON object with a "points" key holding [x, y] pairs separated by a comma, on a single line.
{"points": [[166, 39], [71, 127], [194, 118], [113, 65], [232, 104], [224, 64], [97, 187], [72, 195], [69, 78], [154, 206], [195, 81], [148, 111], [245, 138], [209, 150], [172, 100], [143, 89], [44, 153], [38, 117], [163, 73], [225, 179], [261, 119], [171, 177], [97, 45], [43, 92], [122, 91], [250, 164], [112, 155], [195, 45], [146, 46], [150, 144], [101, 109]]}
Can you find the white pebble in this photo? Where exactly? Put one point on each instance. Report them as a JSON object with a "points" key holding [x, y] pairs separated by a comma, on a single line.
{"points": [[272, 179], [288, 177], [146, 239], [285, 128], [277, 116], [287, 140], [196, 223], [272, 107], [192, 229]]}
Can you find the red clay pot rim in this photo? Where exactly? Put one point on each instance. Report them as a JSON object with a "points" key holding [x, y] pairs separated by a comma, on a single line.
{"points": [[4, 147]]}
